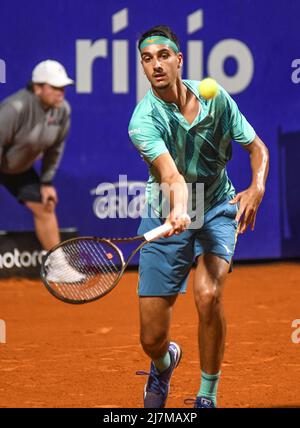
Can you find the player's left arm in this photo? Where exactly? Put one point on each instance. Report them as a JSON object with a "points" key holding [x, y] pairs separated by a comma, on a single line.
{"points": [[250, 199]]}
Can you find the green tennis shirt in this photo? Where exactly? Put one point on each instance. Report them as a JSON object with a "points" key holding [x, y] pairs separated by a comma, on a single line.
{"points": [[200, 150]]}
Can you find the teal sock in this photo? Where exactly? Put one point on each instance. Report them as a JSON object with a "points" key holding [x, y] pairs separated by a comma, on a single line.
{"points": [[163, 363], [209, 386]]}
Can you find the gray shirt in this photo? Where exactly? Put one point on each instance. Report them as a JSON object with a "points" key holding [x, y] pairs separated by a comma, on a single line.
{"points": [[28, 132]]}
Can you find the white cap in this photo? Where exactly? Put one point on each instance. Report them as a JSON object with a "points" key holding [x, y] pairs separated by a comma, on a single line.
{"points": [[51, 72]]}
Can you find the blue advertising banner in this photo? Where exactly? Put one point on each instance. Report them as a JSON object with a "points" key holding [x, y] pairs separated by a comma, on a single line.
{"points": [[250, 47]]}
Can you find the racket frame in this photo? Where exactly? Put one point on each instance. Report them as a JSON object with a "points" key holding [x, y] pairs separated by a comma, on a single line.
{"points": [[149, 236], [124, 263]]}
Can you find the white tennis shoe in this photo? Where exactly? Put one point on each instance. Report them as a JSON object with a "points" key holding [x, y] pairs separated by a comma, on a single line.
{"points": [[60, 270]]}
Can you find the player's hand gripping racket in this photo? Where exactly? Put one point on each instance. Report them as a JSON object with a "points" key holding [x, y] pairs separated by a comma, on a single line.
{"points": [[81, 270]]}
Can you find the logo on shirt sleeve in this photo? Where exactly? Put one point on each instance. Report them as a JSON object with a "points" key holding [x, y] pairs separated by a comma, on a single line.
{"points": [[135, 131]]}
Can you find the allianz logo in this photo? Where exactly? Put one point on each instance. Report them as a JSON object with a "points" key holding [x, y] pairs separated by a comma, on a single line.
{"points": [[15, 258], [123, 199]]}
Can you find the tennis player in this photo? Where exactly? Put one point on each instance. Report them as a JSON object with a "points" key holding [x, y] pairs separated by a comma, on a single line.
{"points": [[34, 123], [186, 139]]}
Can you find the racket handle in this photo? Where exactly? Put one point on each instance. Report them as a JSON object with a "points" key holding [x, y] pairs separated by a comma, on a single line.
{"points": [[158, 232]]}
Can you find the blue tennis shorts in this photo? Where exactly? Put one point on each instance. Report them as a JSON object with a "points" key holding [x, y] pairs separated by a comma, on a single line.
{"points": [[165, 264]]}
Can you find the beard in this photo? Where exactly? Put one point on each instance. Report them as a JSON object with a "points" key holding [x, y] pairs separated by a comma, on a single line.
{"points": [[162, 87]]}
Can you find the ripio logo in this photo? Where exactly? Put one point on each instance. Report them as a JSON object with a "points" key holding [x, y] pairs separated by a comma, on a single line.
{"points": [[88, 51], [2, 71]]}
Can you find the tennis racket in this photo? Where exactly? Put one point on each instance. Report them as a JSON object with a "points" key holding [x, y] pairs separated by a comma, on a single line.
{"points": [[81, 270]]}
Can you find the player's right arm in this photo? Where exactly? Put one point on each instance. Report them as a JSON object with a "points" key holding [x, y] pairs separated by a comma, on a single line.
{"points": [[149, 141], [175, 190]]}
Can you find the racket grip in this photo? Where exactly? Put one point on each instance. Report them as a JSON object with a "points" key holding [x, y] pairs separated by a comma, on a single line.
{"points": [[158, 232]]}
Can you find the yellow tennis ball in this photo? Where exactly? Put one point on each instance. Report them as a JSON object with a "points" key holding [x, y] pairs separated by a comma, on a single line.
{"points": [[208, 88]]}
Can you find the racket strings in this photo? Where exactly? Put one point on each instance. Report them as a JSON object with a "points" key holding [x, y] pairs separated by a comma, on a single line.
{"points": [[84, 269], [108, 272], [97, 274]]}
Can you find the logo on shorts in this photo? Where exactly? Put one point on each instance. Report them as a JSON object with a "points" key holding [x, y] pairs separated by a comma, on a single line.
{"points": [[226, 248]]}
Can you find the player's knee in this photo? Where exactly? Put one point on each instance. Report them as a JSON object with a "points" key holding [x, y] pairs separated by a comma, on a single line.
{"points": [[152, 342], [208, 297]]}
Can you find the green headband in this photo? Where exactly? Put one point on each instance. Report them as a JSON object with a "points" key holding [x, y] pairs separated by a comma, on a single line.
{"points": [[159, 40]]}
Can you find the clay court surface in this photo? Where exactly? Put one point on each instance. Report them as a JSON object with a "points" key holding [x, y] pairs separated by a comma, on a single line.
{"points": [[60, 355]]}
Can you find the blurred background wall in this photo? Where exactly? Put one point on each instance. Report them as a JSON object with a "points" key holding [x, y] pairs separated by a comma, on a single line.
{"points": [[250, 47]]}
